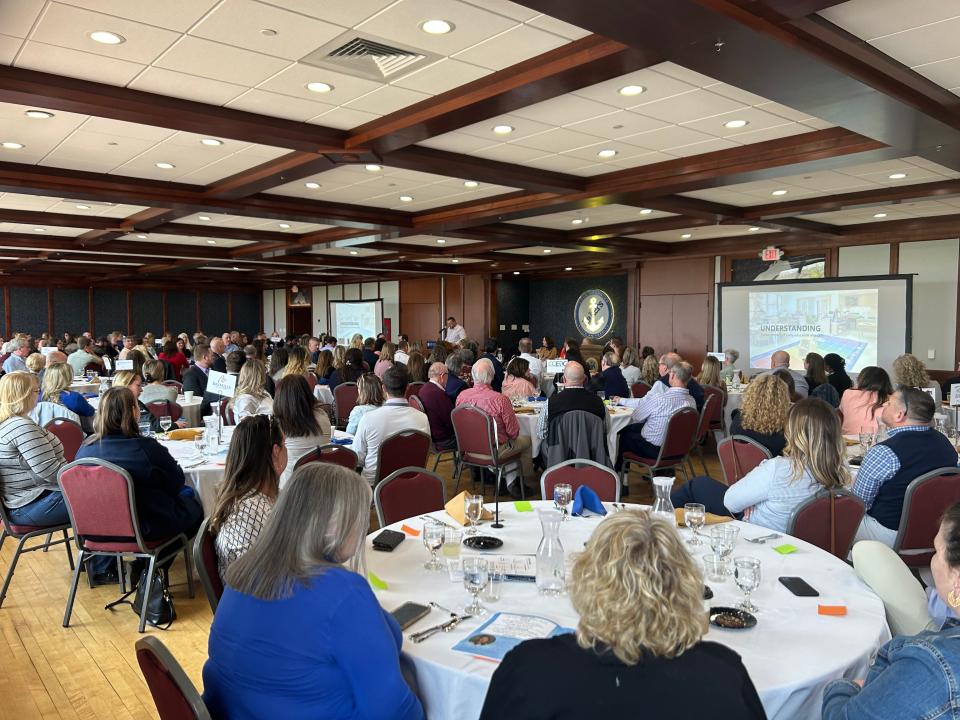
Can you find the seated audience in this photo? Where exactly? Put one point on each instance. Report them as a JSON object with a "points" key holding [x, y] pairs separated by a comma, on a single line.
{"points": [[298, 362], [384, 361], [172, 355], [490, 353], [57, 378], [729, 368], [218, 352], [303, 421], [417, 368], [610, 380], [369, 397], [790, 382], [763, 413], [710, 373], [911, 449], [547, 349], [780, 360], [667, 362], [250, 396], [647, 351], [638, 641], [912, 676], [250, 485], [19, 349], [861, 406], [195, 378], [816, 370], [316, 642], [650, 370], [630, 366], [324, 367], [438, 354], [84, 356], [767, 495], [909, 371], [351, 371], [560, 403], [183, 346], [455, 384], [369, 355], [379, 424], [154, 373], [572, 354], [35, 363], [836, 374], [525, 346], [518, 382], [403, 352], [438, 406], [278, 362]]}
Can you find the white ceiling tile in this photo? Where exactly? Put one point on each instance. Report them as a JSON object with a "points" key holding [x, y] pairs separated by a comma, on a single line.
{"points": [[121, 129], [556, 163], [817, 124], [506, 8], [678, 72], [522, 128], [354, 250], [239, 23], [449, 261], [756, 119], [945, 73], [230, 165], [593, 217], [558, 27], [92, 152], [564, 110], [443, 75], [633, 161], [185, 240], [47, 229], [276, 105], [667, 137], [72, 63], [344, 118], [197, 56], [68, 26], [538, 250], [188, 87], [509, 153], [387, 99], [16, 201], [656, 86], [770, 133], [293, 81], [8, 48], [689, 106], [735, 93], [617, 125], [557, 140], [924, 44], [16, 18], [340, 12], [700, 233], [457, 142], [431, 241], [401, 23], [176, 15], [869, 19], [511, 47]]}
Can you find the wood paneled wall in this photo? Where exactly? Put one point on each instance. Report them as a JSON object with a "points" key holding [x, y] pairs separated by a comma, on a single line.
{"points": [[420, 316], [676, 306]]}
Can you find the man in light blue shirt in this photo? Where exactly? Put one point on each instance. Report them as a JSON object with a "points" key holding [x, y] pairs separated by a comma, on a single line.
{"points": [[15, 363]]}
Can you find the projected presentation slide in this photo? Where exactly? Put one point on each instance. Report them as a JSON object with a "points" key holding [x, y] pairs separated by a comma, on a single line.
{"points": [[822, 321], [350, 318]]}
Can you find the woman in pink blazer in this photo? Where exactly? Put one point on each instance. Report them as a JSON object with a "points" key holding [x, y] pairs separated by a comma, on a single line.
{"points": [[861, 407]]}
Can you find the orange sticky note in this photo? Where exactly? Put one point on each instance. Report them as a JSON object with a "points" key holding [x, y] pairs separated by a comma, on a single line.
{"points": [[409, 530], [836, 610]]}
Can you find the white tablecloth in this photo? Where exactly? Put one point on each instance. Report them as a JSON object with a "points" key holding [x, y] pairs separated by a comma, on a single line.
{"points": [[528, 426], [191, 410], [84, 387], [791, 654], [734, 401]]}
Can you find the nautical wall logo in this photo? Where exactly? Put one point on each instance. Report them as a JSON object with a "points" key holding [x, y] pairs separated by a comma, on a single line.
{"points": [[593, 314]]}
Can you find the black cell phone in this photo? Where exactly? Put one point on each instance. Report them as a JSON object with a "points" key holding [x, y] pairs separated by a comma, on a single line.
{"points": [[408, 613], [798, 586], [387, 540]]}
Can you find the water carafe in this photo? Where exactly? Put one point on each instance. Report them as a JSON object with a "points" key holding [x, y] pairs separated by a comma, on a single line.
{"points": [[662, 506], [551, 570]]}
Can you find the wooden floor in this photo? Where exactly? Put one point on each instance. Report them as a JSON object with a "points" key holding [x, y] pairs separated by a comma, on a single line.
{"points": [[90, 670]]}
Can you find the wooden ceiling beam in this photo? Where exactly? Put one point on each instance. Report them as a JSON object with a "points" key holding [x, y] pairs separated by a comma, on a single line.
{"points": [[288, 168], [880, 196]]}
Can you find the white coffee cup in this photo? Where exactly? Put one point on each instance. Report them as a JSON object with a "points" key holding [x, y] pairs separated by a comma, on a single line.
{"points": [[188, 396]]}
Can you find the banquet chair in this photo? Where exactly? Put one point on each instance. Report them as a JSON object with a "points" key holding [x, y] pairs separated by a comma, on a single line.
{"points": [[311, 381], [159, 408], [408, 492], [205, 557], [477, 446], [715, 416], [829, 520], [174, 383], [703, 429], [413, 389], [739, 455], [923, 503], [344, 400], [174, 695], [416, 403], [639, 389], [331, 453], [904, 600], [24, 533], [101, 502], [599, 478], [70, 435], [681, 430], [91, 367], [407, 448], [226, 413]]}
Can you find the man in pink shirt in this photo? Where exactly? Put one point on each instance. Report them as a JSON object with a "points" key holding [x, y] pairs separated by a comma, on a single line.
{"points": [[499, 407]]}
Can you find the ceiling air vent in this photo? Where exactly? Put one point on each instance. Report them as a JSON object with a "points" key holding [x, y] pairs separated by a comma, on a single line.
{"points": [[370, 57]]}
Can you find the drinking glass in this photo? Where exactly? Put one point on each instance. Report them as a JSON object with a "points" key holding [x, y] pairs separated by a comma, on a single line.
{"points": [[694, 515], [433, 540], [165, 423], [475, 578], [494, 589], [723, 538], [716, 568], [452, 538], [200, 446], [472, 509], [866, 438], [746, 572], [562, 495]]}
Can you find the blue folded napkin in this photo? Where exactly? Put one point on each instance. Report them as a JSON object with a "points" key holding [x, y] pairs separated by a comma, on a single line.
{"points": [[90, 395], [587, 502], [342, 441], [536, 398]]}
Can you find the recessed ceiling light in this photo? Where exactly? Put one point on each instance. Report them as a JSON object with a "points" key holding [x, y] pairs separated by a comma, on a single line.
{"points": [[406, 198], [373, 168], [82, 207], [38, 114], [547, 250], [880, 215], [269, 32], [754, 229], [12, 145], [568, 269], [606, 154], [735, 124], [686, 236], [235, 267], [107, 38], [213, 142], [285, 226], [203, 217], [778, 193], [631, 90], [319, 87], [470, 183], [456, 260], [211, 242], [312, 185], [576, 221], [39, 230], [165, 166], [646, 211], [441, 241], [436, 27], [516, 272], [354, 252], [898, 176], [141, 237], [503, 129]]}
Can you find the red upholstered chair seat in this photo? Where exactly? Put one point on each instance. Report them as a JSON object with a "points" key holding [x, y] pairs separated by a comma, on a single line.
{"points": [[121, 545]]}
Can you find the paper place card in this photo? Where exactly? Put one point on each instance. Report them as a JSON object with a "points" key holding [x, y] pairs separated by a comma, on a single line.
{"points": [[124, 364], [556, 366], [955, 394], [785, 549], [47, 350], [223, 384]]}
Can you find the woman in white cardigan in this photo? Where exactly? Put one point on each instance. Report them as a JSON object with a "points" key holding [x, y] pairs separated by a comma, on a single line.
{"points": [[250, 397]]}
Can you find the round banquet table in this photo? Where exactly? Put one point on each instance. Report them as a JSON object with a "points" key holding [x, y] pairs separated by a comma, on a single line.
{"points": [[84, 387], [733, 402], [791, 654], [618, 417], [191, 410]]}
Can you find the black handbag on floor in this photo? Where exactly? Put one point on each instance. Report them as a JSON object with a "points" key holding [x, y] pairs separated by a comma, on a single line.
{"points": [[160, 611]]}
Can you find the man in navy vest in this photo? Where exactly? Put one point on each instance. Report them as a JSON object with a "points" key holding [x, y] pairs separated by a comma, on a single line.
{"points": [[912, 449]]}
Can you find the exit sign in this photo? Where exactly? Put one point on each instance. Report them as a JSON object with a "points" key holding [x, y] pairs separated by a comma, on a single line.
{"points": [[771, 254]]}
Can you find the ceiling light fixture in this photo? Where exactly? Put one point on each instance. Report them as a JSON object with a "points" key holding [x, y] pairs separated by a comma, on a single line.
{"points": [[606, 154], [82, 207], [576, 221], [319, 87], [503, 129], [406, 198], [470, 183], [646, 211], [568, 269], [39, 230], [269, 32], [12, 145], [165, 166], [106, 37], [211, 242], [456, 260], [436, 27], [735, 124], [203, 217], [38, 114], [373, 168], [754, 229], [778, 193], [547, 250], [686, 236], [631, 90], [235, 267], [880, 215], [285, 226], [354, 252], [898, 176], [212, 142], [516, 272], [312, 185], [441, 241], [141, 237]]}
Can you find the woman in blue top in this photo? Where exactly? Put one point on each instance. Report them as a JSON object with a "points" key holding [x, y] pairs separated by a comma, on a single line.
{"points": [[56, 389], [913, 676], [297, 634]]}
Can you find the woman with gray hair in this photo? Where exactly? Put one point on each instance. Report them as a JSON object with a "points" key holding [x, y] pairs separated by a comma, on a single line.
{"points": [[297, 633], [730, 357]]}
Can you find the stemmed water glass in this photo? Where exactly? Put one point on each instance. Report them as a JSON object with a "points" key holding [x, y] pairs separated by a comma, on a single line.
{"points": [[472, 510], [723, 538], [694, 515], [433, 541], [165, 423], [476, 575], [746, 572], [562, 495]]}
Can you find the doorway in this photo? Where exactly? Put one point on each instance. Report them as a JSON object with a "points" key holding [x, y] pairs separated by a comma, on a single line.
{"points": [[300, 320]]}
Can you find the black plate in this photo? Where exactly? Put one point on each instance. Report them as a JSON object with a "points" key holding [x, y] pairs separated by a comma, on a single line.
{"points": [[482, 542], [736, 615], [707, 593]]}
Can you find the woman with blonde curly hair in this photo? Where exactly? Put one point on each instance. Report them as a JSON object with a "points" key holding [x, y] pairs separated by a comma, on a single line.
{"points": [[639, 595], [763, 413], [909, 371]]}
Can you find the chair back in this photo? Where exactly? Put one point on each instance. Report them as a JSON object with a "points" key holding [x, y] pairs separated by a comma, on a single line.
{"points": [[413, 389], [739, 455], [407, 448], [681, 431], [703, 423], [205, 557], [924, 502], [330, 453], [100, 499], [226, 413], [344, 400], [159, 408], [70, 435], [829, 520], [311, 380], [408, 492], [416, 403], [474, 430], [714, 417], [602, 480], [174, 383], [639, 389], [174, 695]]}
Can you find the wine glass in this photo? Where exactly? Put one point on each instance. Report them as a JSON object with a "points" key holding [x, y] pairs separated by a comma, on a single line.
{"points": [[476, 575], [723, 538], [562, 495], [201, 446], [165, 423], [746, 572], [694, 515], [472, 509], [433, 540]]}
